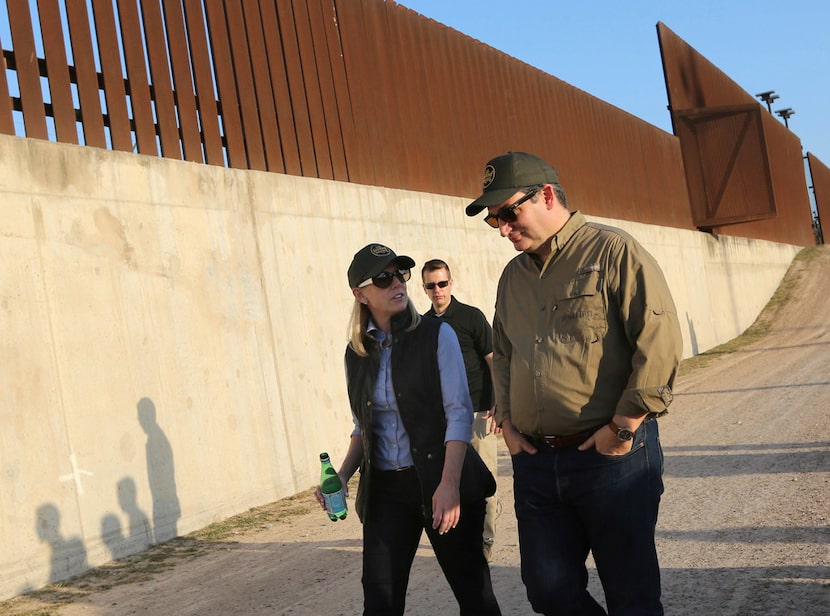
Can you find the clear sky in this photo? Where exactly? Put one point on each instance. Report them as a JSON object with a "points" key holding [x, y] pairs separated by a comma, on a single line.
{"points": [[609, 48]]}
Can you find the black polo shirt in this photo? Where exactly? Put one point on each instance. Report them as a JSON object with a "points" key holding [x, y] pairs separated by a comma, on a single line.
{"points": [[476, 338]]}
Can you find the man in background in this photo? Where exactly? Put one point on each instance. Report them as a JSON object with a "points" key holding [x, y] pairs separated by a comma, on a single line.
{"points": [[476, 339]]}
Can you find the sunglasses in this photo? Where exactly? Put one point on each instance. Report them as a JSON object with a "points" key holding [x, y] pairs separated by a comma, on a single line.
{"points": [[384, 279], [429, 286], [508, 214]]}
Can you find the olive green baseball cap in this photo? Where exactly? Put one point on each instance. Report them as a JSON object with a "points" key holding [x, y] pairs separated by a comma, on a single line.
{"points": [[506, 174]]}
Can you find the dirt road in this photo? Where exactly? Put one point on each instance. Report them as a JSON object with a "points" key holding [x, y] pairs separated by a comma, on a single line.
{"points": [[743, 526]]}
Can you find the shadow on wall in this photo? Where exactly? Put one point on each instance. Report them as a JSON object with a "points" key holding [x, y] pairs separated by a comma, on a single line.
{"points": [[69, 555], [692, 335], [139, 535], [160, 475]]}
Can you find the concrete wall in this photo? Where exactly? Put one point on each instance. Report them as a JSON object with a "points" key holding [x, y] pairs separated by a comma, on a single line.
{"points": [[172, 336]]}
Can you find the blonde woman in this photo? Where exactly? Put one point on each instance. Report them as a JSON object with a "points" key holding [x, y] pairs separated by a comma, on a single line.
{"points": [[413, 423]]}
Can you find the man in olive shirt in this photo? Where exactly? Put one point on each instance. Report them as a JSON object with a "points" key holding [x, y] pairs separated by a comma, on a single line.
{"points": [[476, 339], [586, 345]]}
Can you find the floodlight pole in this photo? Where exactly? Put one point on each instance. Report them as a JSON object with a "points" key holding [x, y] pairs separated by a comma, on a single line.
{"points": [[785, 114], [768, 97]]}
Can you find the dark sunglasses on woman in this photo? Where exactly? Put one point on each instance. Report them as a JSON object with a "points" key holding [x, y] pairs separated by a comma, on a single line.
{"points": [[384, 279]]}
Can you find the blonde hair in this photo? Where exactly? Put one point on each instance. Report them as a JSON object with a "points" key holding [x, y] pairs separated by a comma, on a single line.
{"points": [[360, 319]]}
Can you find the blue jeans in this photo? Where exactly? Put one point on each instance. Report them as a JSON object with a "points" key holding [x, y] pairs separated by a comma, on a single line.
{"points": [[570, 502], [396, 517]]}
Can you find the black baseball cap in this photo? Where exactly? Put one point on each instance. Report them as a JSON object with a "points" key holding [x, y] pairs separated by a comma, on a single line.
{"points": [[371, 260], [506, 174]]}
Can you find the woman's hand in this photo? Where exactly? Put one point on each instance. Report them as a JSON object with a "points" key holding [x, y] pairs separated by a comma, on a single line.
{"points": [[318, 493], [446, 501], [446, 507]]}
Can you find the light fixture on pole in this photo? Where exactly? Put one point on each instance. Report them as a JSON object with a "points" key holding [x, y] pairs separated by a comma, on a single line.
{"points": [[785, 114], [768, 97]]}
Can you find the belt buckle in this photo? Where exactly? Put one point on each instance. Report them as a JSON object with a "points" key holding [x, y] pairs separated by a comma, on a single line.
{"points": [[563, 442], [553, 441]]}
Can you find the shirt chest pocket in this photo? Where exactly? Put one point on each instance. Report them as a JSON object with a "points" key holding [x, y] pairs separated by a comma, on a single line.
{"points": [[580, 314]]}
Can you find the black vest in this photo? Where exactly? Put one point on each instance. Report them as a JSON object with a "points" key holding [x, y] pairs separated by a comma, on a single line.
{"points": [[416, 379]]}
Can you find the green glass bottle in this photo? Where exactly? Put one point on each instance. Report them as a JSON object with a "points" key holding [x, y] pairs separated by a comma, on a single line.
{"points": [[332, 489]]}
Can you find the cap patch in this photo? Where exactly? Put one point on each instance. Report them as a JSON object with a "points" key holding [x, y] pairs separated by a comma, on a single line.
{"points": [[379, 250], [489, 175]]}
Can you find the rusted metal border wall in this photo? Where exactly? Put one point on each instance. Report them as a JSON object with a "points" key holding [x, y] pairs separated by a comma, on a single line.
{"points": [[365, 91], [820, 174], [742, 165]]}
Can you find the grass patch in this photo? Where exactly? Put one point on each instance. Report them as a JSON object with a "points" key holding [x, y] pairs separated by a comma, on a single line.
{"points": [[256, 518], [762, 325]]}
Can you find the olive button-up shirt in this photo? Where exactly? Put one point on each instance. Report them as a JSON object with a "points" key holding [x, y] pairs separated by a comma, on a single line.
{"points": [[591, 332]]}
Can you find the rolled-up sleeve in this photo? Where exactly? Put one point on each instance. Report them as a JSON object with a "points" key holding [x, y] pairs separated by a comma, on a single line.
{"points": [[653, 330]]}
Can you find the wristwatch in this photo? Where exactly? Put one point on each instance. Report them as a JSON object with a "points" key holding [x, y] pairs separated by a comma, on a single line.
{"points": [[624, 434]]}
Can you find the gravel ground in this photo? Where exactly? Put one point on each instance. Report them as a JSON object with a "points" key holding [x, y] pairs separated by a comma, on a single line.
{"points": [[743, 525]]}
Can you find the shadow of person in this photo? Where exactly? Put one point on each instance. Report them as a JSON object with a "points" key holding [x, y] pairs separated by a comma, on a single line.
{"points": [[68, 555], [160, 474], [139, 530], [112, 537]]}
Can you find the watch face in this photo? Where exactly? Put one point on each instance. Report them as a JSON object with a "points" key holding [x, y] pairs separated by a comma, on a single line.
{"points": [[624, 434]]}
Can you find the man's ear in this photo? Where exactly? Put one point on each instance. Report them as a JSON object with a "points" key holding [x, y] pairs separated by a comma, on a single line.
{"points": [[549, 196]]}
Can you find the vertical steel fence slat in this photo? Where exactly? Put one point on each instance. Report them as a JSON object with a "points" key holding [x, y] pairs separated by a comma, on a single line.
{"points": [[245, 85], [475, 91], [115, 93], [57, 69], [226, 84], [359, 151], [413, 92], [271, 138], [6, 116], [445, 131], [412, 98], [92, 118], [340, 84], [360, 67], [208, 113], [324, 61], [313, 94], [138, 83], [165, 104], [302, 122], [28, 70], [380, 102], [820, 176], [273, 39], [184, 91]]}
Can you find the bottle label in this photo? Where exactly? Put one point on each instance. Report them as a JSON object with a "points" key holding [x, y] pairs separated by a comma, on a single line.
{"points": [[336, 502]]}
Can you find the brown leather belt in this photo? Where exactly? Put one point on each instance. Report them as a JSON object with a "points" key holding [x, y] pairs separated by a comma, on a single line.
{"points": [[562, 442]]}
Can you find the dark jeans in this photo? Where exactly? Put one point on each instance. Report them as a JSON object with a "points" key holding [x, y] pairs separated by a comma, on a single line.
{"points": [[392, 530], [570, 502]]}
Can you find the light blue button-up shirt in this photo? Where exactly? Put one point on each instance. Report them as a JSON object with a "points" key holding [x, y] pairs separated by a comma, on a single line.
{"points": [[391, 439]]}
